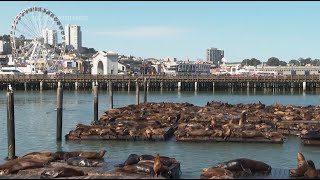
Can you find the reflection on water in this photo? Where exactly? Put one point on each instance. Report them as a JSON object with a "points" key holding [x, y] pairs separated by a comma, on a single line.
{"points": [[35, 118]]}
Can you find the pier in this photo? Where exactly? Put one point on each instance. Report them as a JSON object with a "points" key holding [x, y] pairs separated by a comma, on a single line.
{"points": [[159, 82]]}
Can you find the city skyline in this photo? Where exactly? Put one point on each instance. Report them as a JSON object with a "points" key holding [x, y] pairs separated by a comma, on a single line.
{"points": [[286, 30]]}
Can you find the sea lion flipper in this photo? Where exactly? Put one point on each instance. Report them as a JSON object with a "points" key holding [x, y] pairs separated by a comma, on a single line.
{"points": [[247, 170]]}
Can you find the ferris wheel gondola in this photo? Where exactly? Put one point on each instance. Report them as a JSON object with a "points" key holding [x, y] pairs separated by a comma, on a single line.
{"points": [[30, 43]]}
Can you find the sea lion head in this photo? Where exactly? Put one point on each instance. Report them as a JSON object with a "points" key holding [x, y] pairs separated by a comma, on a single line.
{"points": [[311, 164], [300, 158]]}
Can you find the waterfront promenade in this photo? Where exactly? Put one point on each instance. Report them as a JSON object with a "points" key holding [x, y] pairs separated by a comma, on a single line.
{"points": [[159, 82]]}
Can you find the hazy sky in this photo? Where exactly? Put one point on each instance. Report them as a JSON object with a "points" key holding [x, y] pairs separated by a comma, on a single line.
{"points": [[287, 30]]}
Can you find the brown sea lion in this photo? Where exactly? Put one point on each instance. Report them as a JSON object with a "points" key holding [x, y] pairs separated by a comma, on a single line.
{"points": [[21, 164], [61, 172], [247, 165], [311, 173], [132, 159], [157, 165], [302, 166], [62, 155], [93, 155], [216, 173], [251, 134], [42, 156]]}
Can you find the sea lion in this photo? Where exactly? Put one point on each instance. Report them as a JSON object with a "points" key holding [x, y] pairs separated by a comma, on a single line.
{"points": [[157, 165], [311, 173], [61, 172], [302, 166], [216, 173], [61, 155], [42, 156], [93, 155], [247, 165], [21, 164], [82, 162], [243, 118], [132, 159], [146, 157], [251, 134], [146, 166]]}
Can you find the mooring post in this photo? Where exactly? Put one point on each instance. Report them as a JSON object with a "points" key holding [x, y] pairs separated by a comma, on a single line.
{"points": [[111, 94], [59, 111], [95, 103], [10, 126], [145, 90], [41, 85], [137, 92]]}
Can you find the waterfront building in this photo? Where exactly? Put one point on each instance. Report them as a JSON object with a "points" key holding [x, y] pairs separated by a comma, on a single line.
{"points": [[105, 63], [122, 68], [73, 37], [4, 47], [215, 56], [173, 67], [50, 37], [291, 70]]}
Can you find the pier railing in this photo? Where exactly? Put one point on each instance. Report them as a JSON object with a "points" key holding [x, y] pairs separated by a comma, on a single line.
{"points": [[153, 78]]}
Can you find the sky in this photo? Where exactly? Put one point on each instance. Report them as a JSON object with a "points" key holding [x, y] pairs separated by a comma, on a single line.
{"points": [[159, 29]]}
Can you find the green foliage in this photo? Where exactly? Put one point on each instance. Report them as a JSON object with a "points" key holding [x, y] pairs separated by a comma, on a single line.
{"points": [[250, 62]]}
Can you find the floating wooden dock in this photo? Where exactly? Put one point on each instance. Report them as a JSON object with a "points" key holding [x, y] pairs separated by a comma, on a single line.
{"points": [[166, 136], [231, 139]]}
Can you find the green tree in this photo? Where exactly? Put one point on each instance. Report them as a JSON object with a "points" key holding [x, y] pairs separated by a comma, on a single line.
{"points": [[283, 63], [273, 61], [294, 62], [316, 62], [250, 62]]}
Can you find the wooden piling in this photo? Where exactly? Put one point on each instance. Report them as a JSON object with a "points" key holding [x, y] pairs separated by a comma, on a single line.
{"points": [[137, 92], [95, 102], [111, 95], [145, 90], [10, 126], [59, 111]]}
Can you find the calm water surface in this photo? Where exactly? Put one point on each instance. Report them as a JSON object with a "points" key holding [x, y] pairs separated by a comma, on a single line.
{"points": [[35, 119]]}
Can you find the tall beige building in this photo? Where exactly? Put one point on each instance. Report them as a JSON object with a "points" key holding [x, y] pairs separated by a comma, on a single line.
{"points": [[50, 37], [73, 37]]}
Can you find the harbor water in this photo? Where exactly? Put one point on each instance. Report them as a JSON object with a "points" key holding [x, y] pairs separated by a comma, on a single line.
{"points": [[35, 120]]}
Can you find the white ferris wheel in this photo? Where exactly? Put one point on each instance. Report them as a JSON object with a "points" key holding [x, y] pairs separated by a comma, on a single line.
{"points": [[38, 40]]}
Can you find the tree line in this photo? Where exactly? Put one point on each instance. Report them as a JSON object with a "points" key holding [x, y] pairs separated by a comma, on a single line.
{"points": [[273, 61]]}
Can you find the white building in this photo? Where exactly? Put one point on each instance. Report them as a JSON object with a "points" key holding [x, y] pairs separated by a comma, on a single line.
{"points": [[73, 36], [105, 63], [50, 37], [122, 68], [4, 47]]}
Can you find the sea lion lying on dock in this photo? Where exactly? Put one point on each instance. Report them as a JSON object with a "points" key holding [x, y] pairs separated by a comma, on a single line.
{"points": [[246, 165], [93, 155], [15, 165], [132, 159], [61, 172]]}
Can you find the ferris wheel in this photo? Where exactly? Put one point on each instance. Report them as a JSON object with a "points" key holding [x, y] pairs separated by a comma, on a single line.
{"points": [[38, 40]]}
